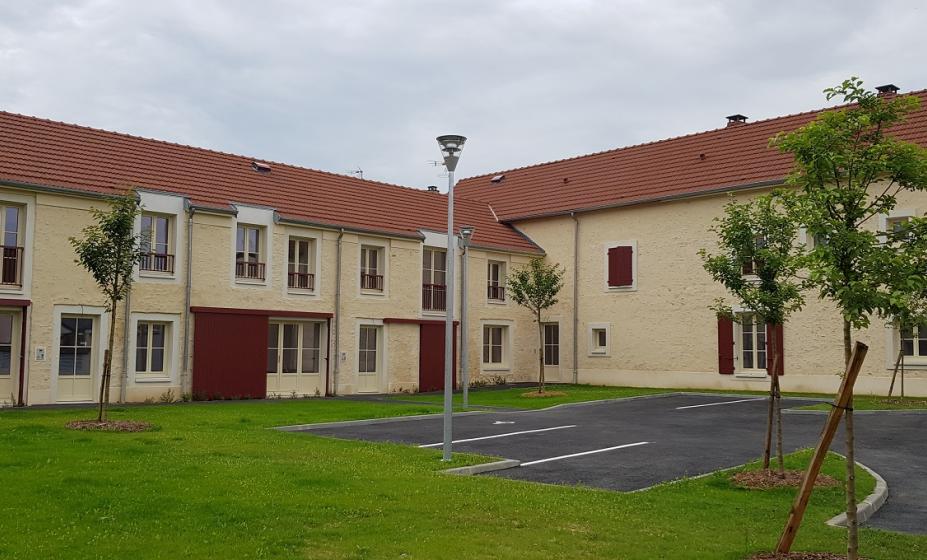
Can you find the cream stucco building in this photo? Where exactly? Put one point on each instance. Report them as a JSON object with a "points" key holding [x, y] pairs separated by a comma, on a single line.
{"points": [[269, 279]]}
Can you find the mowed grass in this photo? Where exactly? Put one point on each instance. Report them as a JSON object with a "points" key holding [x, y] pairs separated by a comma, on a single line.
{"points": [[513, 397], [214, 482]]}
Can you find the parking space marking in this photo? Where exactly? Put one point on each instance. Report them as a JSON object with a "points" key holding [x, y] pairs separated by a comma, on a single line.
{"points": [[720, 403], [507, 434], [549, 459]]}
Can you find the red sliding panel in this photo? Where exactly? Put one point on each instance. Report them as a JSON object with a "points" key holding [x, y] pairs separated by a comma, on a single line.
{"points": [[229, 355]]}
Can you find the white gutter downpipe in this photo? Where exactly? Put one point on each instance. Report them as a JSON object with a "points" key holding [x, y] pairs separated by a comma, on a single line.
{"points": [[337, 322], [188, 288], [575, 297]]}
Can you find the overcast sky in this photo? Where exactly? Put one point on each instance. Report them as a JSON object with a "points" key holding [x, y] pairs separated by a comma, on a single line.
{"points": [[348, 84]]}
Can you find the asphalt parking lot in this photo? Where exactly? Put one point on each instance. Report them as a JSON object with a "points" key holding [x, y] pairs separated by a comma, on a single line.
{"points": [[632, 444]]}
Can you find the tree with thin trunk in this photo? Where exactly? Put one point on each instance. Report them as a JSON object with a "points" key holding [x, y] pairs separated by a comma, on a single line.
{"points": [[757, 263], [535, 286], [109, 250], [848, 171]]}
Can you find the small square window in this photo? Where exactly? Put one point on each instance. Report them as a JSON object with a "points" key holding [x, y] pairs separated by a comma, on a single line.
{"points": [[598, 343]]}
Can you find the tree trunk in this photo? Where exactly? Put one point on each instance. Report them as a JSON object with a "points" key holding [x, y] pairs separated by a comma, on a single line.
{"points": [[540, 354], [852, 524], [107, 366], [779, 451], [767, 449], [902, 376]]}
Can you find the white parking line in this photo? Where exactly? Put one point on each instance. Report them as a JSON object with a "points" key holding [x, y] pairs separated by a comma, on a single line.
{"points": [[501, 435], [719, 403], [549, 459]]}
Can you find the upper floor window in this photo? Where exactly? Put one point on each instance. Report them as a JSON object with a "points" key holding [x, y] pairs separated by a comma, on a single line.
{"points": [[495, 289], [621, 269], [434, 279], [249, 262], [157, 255], [12, 250], [371, 268], [300, 267], [753, 266]]}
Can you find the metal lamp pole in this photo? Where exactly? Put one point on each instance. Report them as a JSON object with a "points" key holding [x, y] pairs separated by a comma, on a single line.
{"points": [[451, 145], [466, 232]]}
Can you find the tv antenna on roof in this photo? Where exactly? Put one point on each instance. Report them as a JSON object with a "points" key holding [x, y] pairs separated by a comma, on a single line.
{"points": [[359, 173]]}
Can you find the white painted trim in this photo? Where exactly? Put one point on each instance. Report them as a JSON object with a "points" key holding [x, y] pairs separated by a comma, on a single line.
{"points": [[381, 374], [316, 237], [171, 206], [383, 262], [593, 350], [28, 243], [264, 219], [101, 324], [610, 245], [508, 334], [173, 354], [719, 403]]}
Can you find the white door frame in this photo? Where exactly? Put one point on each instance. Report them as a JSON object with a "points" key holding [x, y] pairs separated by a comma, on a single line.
{"points": [[101, 325]]}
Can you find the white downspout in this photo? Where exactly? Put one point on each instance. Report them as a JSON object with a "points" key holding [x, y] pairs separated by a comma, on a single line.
{"points": [[337, 322], [185, 369], [575, 298]]}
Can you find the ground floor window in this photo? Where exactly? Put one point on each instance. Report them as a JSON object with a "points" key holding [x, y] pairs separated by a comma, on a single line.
{"points": [[914, 341], [552, 344], [6, 344], [493, 337], [752, 341], [367, 349], [599, 340], [294, 347], [75, 346], [151, 345]]}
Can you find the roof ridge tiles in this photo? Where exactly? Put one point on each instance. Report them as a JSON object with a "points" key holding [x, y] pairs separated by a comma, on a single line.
{"points": [[674, 138]]}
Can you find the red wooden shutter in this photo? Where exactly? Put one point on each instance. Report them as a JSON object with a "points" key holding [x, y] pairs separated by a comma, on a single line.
{"points": [[725, 345], [620, 266], [774, 332]]}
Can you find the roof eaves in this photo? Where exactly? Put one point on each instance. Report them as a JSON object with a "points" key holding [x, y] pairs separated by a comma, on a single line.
{"points": [[332, 226], [646, 200]]}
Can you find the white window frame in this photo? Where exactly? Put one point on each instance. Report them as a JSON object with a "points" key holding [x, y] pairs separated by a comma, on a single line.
{"points": [[300, 348], [172, 357], [378, 350], [505, 349], [382, 249], [263, 220], [170, 207], [503, 277], [166, 349], [739, 369], [311, 261], [169, 250], [594, 348], [101, 325], [894, 215], [632, 243], [26, 241]]}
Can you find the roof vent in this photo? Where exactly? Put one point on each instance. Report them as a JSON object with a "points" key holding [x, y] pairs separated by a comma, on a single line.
{"points": [[736, 119], [432, 188], [888, 89], [260, 166], [497, 178]]}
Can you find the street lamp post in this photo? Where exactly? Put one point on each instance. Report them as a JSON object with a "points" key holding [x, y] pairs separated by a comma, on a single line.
{"points": [[466, 232], [451, 146]]}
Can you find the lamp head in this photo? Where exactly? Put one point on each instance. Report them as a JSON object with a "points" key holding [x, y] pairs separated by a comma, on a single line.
{"points": [[451, 146]]}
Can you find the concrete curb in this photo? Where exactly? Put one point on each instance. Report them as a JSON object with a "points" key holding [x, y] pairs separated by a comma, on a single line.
{"points": [[484, 467], [367, 422], [871, 504], [914, 412]]}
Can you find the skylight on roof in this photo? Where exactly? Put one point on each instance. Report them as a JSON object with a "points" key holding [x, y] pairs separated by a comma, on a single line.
{"points": [[260, 166], [497, 178]]}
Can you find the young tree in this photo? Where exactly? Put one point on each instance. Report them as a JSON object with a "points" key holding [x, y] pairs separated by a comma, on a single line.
{"points": [[109, 250], [758, 237], [536, 286], [847, 171]]}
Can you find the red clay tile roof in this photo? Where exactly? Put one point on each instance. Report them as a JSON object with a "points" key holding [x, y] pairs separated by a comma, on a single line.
{"points": [[722, 159], [51, 154]]}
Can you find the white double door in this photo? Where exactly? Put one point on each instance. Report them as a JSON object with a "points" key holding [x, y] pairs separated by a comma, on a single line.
{"points": [[296, 358], [77, 358]]}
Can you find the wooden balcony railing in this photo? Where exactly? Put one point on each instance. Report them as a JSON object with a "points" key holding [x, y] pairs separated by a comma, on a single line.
{"points": [[372, 282], [11, 268], [156, 262], [301, 280], [253, 270], [434, 297], [496, 293]]}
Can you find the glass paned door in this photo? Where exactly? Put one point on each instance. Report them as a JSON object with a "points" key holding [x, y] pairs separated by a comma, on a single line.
{"points": [[294, 359], [752, 343], [76, 358]]}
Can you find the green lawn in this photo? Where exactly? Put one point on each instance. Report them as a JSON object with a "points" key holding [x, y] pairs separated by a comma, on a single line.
{"points": [[511, 397], [213, 482]]}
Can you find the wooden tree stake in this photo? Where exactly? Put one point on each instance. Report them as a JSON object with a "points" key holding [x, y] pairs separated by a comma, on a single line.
{"points": [[827, 436]]}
